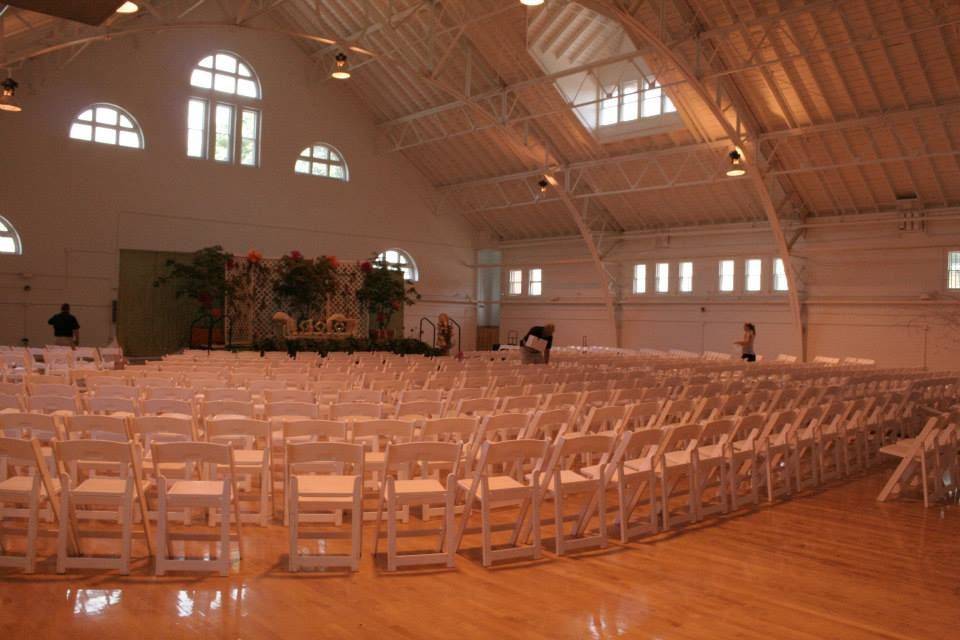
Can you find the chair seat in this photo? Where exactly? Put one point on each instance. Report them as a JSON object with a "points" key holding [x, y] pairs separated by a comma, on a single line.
{"points": [[593, 472], [568, 479], [101, 487], [677, 458], [24, 484], [710, 452], [248, 457], [325, 486], [899, 449], [642, 465], [196, 489], [496, 483], [418, 487]]}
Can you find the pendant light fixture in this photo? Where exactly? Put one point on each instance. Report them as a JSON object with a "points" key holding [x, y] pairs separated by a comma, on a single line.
{"points": [[531, 3], [543, 185], [341, 67], [736, 165], [128, 7], [8, 91]]}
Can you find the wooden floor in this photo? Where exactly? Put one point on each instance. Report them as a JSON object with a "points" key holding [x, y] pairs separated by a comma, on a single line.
{"points": [[830, 565]]}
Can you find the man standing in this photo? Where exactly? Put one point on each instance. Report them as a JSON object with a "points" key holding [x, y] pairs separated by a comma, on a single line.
{"points": [[529, 355], [66, 329]]}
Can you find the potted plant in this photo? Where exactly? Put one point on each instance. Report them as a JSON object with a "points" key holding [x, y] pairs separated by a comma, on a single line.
{"points": [[384, 292], [203, 280]]}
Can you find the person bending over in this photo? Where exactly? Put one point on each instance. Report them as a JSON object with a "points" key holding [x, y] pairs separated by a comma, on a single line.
{"points": [[529, 355], [746, 345], [66, 329]]}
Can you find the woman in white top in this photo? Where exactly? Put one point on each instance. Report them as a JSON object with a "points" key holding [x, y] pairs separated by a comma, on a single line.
{"points": [[746, 345]]}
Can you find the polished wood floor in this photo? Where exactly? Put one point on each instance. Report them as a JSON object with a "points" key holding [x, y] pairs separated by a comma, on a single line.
{"points": [[829, 565]]}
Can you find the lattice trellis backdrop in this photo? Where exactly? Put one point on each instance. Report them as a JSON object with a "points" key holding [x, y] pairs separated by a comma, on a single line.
{"points": [[252, 319]]}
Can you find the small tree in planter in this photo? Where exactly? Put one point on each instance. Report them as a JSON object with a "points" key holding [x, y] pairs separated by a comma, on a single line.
{"points": [[204, 280], [384, 292], [303, 284]]}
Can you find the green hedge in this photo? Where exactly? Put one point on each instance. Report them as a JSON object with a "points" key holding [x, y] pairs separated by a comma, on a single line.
{"points": [[405, 346]]}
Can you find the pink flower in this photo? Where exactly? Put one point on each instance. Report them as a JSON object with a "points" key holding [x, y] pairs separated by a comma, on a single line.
{"points": [[366, 267], [296, 255], [334, 263], [254, 256], [216, 313]]}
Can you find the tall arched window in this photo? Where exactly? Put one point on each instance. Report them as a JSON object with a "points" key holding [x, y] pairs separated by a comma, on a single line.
{"points": [[107, 124], [221, 124], [322, 159], [400, 260], [9, 239]]}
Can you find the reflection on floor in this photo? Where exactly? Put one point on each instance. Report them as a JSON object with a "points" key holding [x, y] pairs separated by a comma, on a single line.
{"points": [[835, 564]]}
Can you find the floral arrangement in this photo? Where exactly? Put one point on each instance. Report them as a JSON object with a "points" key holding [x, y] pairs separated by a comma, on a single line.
{"points": [[202, 279], [303, 284], [384, 292]]}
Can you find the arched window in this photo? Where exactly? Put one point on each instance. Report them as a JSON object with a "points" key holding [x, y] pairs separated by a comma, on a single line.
{"points": [[9, 239], [220, 123], [322, 160], [400, 260], [107, 124]]}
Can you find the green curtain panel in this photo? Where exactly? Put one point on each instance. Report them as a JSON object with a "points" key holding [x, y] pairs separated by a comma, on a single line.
{"points": [[151, 321]]}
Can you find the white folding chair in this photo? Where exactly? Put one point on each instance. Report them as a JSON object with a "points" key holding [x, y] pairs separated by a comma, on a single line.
{"points": [[26, 483]]}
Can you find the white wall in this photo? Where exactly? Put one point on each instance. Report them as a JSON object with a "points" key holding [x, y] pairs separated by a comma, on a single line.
{"points": [[868, 291], [76, 204]]}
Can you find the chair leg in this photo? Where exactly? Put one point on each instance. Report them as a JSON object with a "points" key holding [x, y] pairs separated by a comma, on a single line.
{"points": [[391, 530], [450, 534], [163, 545], [558, 517], [665, 499], [32, 524], [224, 559], [62, 532], [126, 517], [293, 519], [601, 513], [535, 503], [356, 527], [486, 542]]}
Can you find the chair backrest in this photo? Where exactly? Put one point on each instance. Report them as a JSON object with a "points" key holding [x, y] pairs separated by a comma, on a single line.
{"points": [[507, 391], [300, 409], [606, 418], [681, 437], [260, 386], [541, 389], [115, 391], [642, 415], [112, 405], [547, 425], [749, 428], [451, 430], [519, 403], [569, 452], [290, 395], [315, 429], [778, 425], [167, 393], [677, 412], [200, 453], [227, 408], [477, 406], [155, 381], [716, 432], [523, 454], [120, 453], [425, 408], [378, 433], [505, 426], [9, 401], [218, 394], [360, 395], [637, 445], [161, 406], [49, 404], [97, 427], [466, 393], [561, 400], [162, 428], [349, 410], [311, 453], [410, 453], [629, 395], [19, 425], [227, 428]]}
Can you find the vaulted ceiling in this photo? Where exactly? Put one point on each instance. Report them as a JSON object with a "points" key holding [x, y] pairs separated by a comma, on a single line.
{"points": [[844, 107]]}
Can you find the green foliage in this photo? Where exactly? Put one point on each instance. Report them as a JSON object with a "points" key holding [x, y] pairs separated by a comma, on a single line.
{"points": [[384, 291], [203, 280], [407, 346], [303, 284]]}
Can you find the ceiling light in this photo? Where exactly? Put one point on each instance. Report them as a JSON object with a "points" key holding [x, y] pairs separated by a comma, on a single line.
{"points": [[736, 165], [543, 185], [531, 3], [341, 68], [128, 7], [8, 89]]}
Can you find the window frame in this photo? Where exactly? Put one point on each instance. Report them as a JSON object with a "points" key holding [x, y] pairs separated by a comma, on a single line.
{"points": [[642, 280], [118, 128], [8, 230], [616, 92], [681, 277], [746, 275], [310, 160], [511, 282], [733, 275], [538, 281], [775, 276], [404, 263], [663, 279], [240, 104]]}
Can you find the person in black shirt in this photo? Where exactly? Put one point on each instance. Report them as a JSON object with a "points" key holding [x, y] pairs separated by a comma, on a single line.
{"points": [[66, 329], [532, 356]]}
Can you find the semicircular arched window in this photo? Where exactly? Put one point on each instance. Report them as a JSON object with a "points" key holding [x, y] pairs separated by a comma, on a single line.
{"points": [[401, 261], [9, 239], [221, 123], [321, 159], [107, 124]]}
